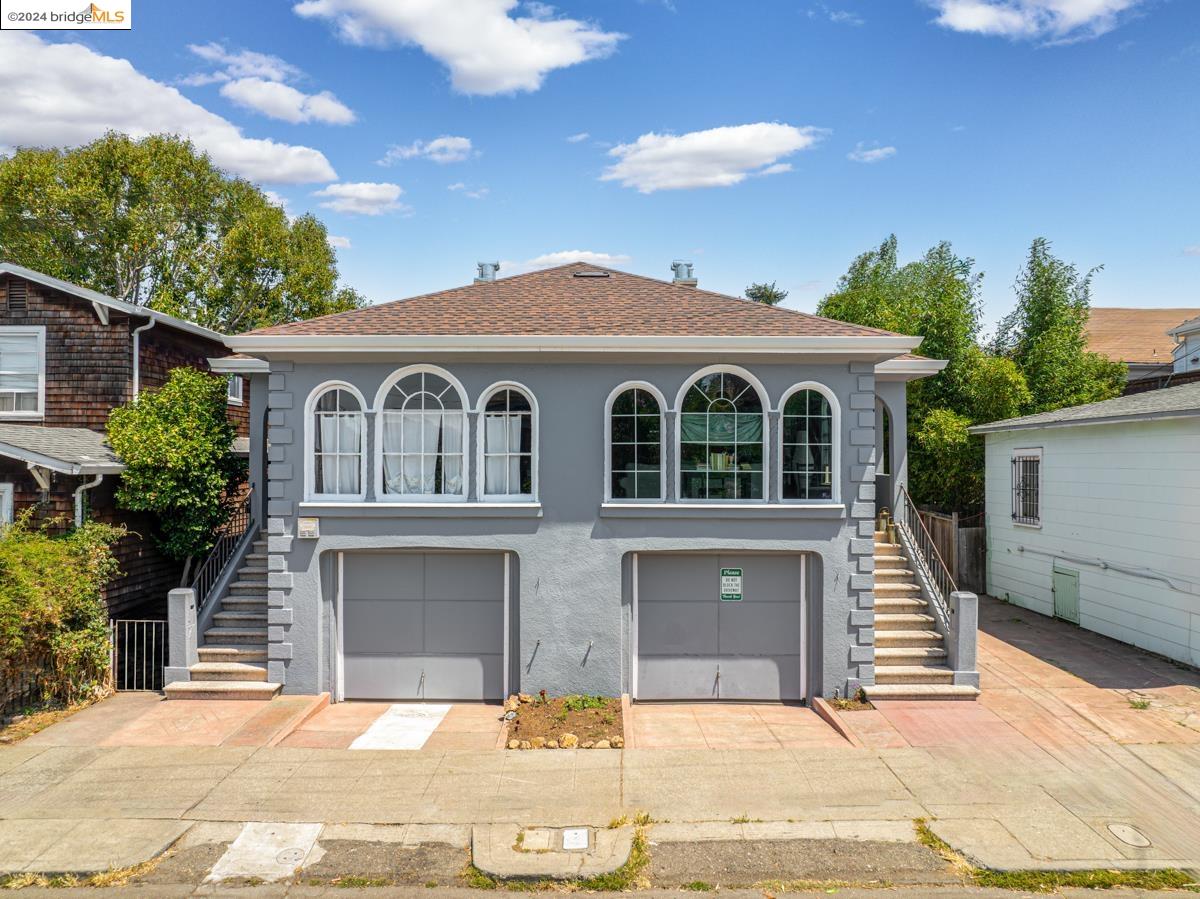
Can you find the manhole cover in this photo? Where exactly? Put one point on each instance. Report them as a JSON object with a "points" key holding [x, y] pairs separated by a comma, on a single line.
{"points": [[1127, 833], [575, 838], [292, 856]]}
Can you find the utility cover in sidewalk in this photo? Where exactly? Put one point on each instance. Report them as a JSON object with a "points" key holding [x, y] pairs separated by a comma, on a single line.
{"points": [[510, 851], [266, 851], [574, 838], [1127, 833]]}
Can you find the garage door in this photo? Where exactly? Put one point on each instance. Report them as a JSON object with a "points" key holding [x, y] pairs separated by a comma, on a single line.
{"points": [[692, 644], [422, 625]]}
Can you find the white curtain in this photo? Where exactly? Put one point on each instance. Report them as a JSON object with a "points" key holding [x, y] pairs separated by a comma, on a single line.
{"points": [[514, 447], [339, 454], [412, 444]]}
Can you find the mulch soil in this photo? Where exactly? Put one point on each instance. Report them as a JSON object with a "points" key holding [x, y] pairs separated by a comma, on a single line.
{"points": [[550, 721]]}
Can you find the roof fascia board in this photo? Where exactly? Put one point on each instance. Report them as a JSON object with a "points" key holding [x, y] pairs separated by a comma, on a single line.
{"points": [[1187, 327], [98, 299], [885, 346], [62, 466], [909, 369], [1108, 420], [229, 365]]}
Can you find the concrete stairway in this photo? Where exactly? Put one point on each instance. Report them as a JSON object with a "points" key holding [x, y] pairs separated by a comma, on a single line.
{"points": [[233, 656], [910, 652]]}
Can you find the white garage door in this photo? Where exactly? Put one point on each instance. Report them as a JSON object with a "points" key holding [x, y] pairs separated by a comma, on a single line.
{"points": [[422, 625], [692, 644]]}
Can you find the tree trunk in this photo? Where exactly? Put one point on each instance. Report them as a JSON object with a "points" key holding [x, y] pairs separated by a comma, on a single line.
{"points": [[187, 569]]}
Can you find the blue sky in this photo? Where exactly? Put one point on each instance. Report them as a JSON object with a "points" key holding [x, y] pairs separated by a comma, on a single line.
{"points": [[763, 141]]}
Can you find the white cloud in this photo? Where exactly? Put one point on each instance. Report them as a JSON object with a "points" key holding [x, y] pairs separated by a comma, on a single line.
{"points": [[868, 153], [836, 16], [243, 64], [457, 185], [282, 101], [363, 198], [1193, 250], [276, 199], [338, 243], [487, 50], [477, 193], [718, 157], [442, 150], [562, 257], [1050, 21], [577, 138], [62, 94]]}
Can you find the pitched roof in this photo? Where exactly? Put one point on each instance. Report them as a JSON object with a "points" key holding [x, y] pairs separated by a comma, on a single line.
{"points": [[67, 450], [1135, 335], [1172, 402], [577, 299], [105, 301]]}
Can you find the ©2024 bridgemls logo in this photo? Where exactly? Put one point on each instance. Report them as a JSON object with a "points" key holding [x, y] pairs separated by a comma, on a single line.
{"points": [[62, 15]]}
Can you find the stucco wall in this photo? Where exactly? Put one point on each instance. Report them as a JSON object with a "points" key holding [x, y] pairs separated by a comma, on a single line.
{"points": [[1121, 494], [573, 558]]}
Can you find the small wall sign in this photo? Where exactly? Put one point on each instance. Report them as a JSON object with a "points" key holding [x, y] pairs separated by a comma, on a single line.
{"points": [[308, 528], [731, 585]]}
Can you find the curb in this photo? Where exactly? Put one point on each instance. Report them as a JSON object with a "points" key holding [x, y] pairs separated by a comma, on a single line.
{"points": [[494, 852], [829, 715]]}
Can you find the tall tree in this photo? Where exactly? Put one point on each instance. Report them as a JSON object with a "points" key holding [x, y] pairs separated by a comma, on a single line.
{"points": [[155, 223], [767, 294], [1046, 335]]}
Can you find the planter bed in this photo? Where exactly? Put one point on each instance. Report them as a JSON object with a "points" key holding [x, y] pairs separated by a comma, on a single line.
{"points": [[564, 722]]}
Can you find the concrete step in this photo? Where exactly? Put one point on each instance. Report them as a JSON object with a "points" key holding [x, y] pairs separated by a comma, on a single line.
{"points": [[913, 674], [887, 656], [252, 587], [259, 546], [920, 691], [888, 548], [227, 689], [244, 652], [258, 557], [223, 671], [891, 589], [249, 573], [240, 618], [893, 575], [235, 635], [244, 603], [890, 560], [899, 604], [888, 639], [904, 621]]}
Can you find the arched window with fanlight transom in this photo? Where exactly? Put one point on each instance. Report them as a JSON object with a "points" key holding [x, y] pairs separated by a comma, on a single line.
{"points": [[635, 434], [422, 437], [722, 449], [808, 428]]}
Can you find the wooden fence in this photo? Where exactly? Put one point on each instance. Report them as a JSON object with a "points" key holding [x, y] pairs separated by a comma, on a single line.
{"points": [[962, 543]]}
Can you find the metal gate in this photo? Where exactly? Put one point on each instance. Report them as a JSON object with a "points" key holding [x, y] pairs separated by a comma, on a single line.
{"points": [[139, 653]]}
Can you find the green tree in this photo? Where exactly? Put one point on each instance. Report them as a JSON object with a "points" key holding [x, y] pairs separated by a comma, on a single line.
{"points": [[1046, 335], [767, 294], [936, 296], [155, 223], [177, 446]]}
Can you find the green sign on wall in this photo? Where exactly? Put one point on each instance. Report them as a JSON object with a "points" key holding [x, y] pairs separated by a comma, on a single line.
{"points": [[731, 584]]}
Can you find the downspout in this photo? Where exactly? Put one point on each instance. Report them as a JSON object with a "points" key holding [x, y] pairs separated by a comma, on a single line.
{"points": [[137, 356], [87, 485]]}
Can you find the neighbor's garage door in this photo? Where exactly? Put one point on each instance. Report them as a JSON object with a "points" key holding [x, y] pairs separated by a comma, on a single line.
{"points": [[694, 645], [423, 625]]}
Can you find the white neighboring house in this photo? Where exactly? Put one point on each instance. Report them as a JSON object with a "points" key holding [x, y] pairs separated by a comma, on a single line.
{"points": [[1187, 346], [1093, 516]]}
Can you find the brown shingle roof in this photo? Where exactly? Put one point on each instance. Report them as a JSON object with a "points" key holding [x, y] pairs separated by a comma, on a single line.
{"points": [[1135, 335], [556, 302]]}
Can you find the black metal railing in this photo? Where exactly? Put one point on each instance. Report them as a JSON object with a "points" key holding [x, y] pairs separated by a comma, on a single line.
{"points": [[939, 578], [25, 686], [230, 537], [139, 653]]}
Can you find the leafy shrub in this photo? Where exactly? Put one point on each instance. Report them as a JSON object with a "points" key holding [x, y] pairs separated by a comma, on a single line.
{"points": [[52, 610], [579, 703]]}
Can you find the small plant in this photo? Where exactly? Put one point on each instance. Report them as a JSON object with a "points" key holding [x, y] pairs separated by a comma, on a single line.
{"points": [[1140, 704], [698, 886], [579, 703], [741, 819], [618, 822], [542, 696]]}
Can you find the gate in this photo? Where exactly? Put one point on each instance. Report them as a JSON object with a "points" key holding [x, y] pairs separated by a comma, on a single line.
{"points": [[139, 653]]}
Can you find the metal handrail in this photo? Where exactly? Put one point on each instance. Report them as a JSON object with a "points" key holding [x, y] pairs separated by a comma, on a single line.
{"points": [[239, 523], [926, 550]]}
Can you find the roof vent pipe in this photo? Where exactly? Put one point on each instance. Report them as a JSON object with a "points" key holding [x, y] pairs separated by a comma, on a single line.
{"points": [[487, 272], [683, 274]]}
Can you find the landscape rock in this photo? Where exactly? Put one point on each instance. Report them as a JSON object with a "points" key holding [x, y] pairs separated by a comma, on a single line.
{"points": [[568, 741], [552, 744], [603, 744], [587, 744], [524, 697], [525, 744], [617, 742], [538, 742], [514, 744]]}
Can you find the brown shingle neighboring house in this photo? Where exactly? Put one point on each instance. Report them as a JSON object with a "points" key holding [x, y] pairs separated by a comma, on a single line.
{"points": [[66, 359], [1137, 337], [577, 299]]}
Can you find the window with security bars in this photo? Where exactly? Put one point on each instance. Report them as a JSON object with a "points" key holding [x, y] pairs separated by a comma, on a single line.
{"points": [[1026, 488]]}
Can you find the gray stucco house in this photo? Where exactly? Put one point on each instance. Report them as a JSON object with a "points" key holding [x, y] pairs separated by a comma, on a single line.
{"points": [[576, 479]]}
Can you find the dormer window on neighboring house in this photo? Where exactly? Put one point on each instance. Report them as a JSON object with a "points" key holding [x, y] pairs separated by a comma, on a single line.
{"points": [[22, 372]]}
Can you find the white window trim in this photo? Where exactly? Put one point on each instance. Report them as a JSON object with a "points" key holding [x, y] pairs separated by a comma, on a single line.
{"points": [[40, 332], [662, 427], [238, 397], [380, 398], [310, 473], [836, 435], [1029, 452], [677, 412], [481, 439], [6, 503]]}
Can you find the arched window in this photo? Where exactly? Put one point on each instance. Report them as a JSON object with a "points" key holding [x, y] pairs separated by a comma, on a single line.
{"points": [[721, 426], [423, 423], [509, 439], [808, 431], [338, 432], [635, 444]]}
